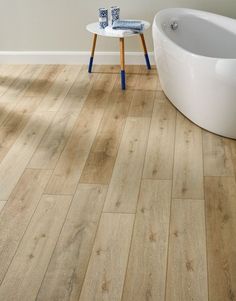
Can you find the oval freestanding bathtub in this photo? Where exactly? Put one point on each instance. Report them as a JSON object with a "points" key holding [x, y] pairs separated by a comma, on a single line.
{"points": [[195, 52]]}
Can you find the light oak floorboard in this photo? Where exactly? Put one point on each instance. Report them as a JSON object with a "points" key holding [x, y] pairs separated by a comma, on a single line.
{"points": [[217, 156], [8, 75], [14, 95], [72, 160], [5, 109], [188, 160], [123, 190], [67, 268], [106, 271], [60, 89], [81, 88], [146, 274], [232, 146], [13, 126], [25, 105], [101, 160], [108, 158], [17, 213], [54, 141], [41, 85], [132, 76], [2, 204], [142, 104], [160, 149], [148, 80], [221, 232], [44, 81], [27, 269], [187, 264], [18, 157], [21, 84]]}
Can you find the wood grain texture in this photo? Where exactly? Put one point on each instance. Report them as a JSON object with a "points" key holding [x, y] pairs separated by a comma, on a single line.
{"points": [[54, 141], [142, 104], [5, 109], [16, 160], [21, 83], [72, 160], [232, 147], [17, 213], [81, 88], [101, 160], [123, 190], [16, 109], [10, 130], [122, 54], [132, 73], [187, 264], [146, 274], [8, 75], [94, 45], [188, 160], [107, 239], [44, 81], [106, 271], [33, 255], [217, 156], [60, 88], [160, 149], [148, 80], [2, 204], [27, 99], [220, 193], [67, 268]]}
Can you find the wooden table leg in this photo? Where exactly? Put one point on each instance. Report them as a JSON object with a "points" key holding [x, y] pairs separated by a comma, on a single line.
{"points": [[122, 63], [145, 51], [92, 53]]}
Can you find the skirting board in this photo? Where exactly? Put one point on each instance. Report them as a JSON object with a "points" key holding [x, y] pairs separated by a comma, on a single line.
{"points": [[71, 57]]}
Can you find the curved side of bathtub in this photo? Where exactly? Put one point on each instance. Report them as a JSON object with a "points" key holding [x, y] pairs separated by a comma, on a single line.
{"points": [[202, 88]]}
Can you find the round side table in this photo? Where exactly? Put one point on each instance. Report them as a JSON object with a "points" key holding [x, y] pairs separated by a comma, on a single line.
{"points": [[97, 31]]}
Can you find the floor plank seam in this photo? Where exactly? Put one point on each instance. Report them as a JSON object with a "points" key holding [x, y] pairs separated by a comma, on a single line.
{"points": [[72, 84], [49, 124], [30, 219], [205, 217], [115, 212], [19, 75], [54, 248], [101, 213], [135, 213], [100, 122], [91, 251], [170, 215], [97, 133]]}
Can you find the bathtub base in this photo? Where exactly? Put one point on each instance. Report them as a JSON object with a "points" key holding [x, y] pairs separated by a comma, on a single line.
{"points": [[200, 125]]}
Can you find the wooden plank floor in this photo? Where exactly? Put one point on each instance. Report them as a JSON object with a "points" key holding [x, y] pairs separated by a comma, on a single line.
{"points": [[110, 195]]}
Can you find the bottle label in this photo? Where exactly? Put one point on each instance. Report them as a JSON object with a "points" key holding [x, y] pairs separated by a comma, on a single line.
{"points": [[101, 20]]}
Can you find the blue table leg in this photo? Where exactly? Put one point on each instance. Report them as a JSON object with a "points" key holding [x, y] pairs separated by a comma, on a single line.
{"points": [[90, 67], [145, 52], [123, 83], [147, 61], [122, 63]]}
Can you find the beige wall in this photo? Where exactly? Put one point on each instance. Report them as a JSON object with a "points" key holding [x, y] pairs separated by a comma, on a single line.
{"points": [[59, 25]]}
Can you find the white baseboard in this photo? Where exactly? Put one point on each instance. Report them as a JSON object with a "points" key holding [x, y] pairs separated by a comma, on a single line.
{"points": [[70, 57]]}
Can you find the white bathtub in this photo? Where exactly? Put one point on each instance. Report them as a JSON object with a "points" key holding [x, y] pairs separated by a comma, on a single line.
{"points": [[196, 63]]}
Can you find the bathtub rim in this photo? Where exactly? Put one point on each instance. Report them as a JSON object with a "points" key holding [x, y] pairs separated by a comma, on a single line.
{"points": [[191, 12]]}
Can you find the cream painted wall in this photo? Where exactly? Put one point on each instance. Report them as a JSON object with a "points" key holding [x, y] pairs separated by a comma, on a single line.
{"points": [[59, 25]]}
